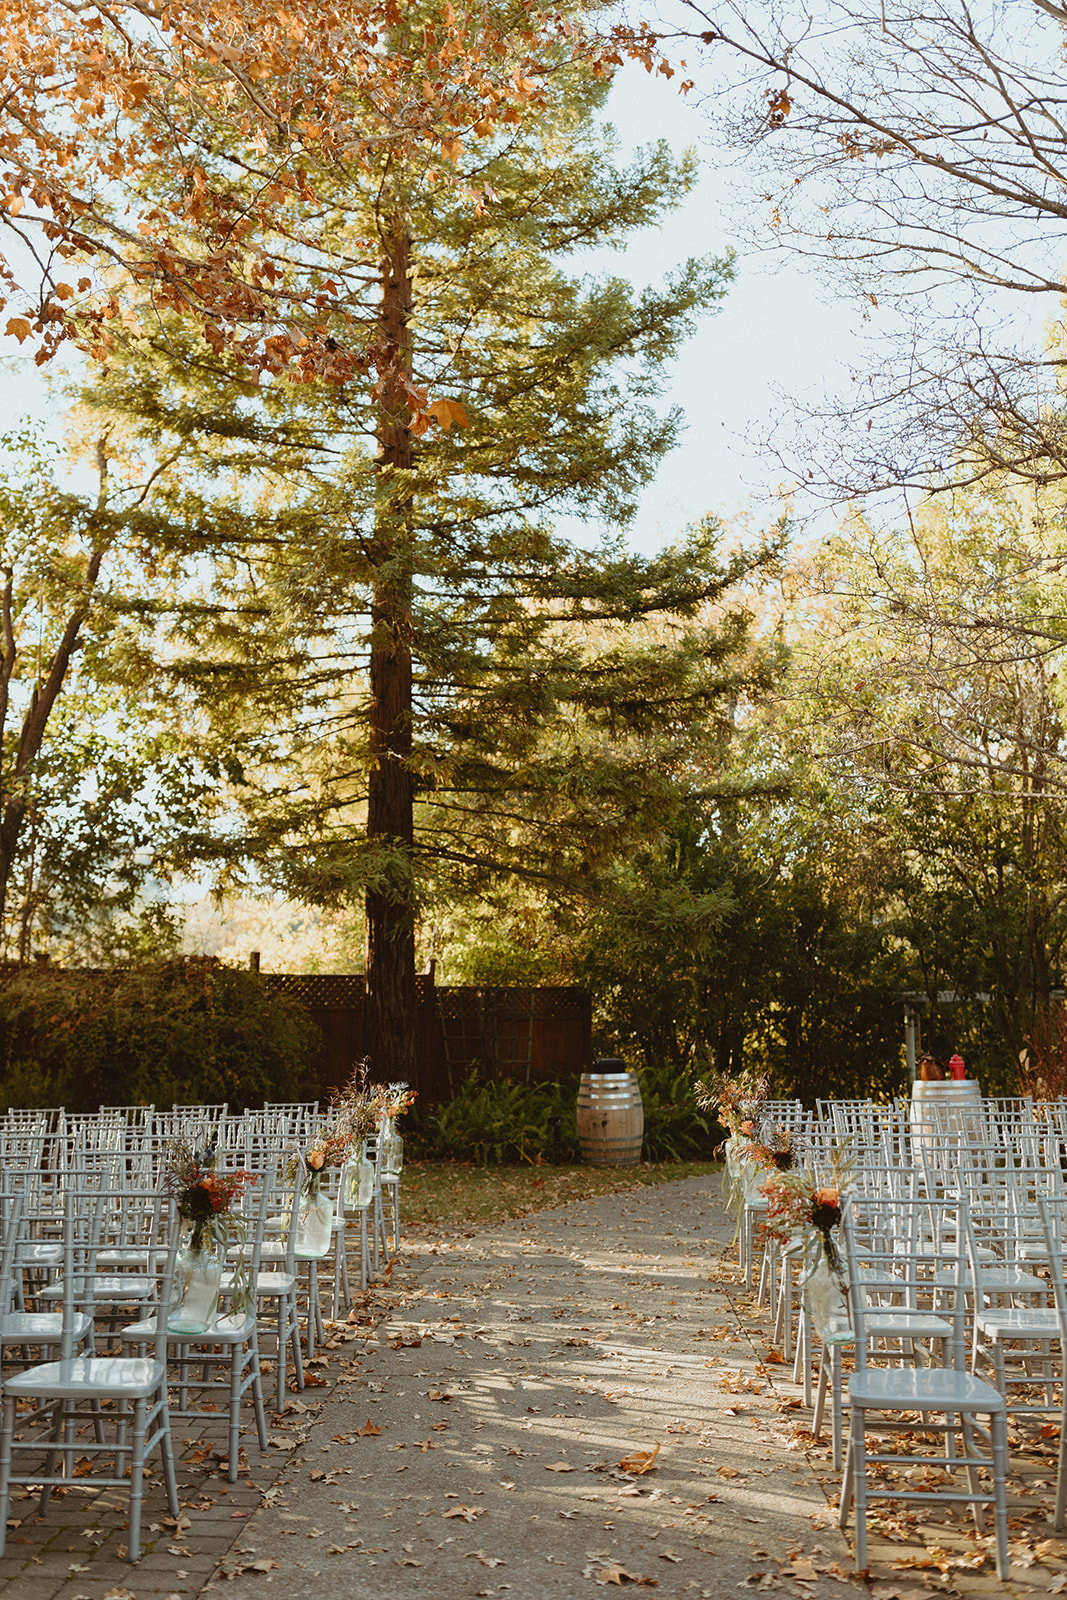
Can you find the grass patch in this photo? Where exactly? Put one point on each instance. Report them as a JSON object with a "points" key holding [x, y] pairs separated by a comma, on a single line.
{"points": [[445, 1196]]}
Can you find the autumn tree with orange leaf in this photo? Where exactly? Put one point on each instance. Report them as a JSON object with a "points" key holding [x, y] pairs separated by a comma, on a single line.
{"points": [[170, 156]]}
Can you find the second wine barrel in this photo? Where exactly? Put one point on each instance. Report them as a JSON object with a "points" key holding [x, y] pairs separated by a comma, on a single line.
{"points": [[611, 1118]]}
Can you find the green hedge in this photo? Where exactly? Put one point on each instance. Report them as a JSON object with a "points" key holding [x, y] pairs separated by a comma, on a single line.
{"points": [[491, 1123], [175, 1031]]}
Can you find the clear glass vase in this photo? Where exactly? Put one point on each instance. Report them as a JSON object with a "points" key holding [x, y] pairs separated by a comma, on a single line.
{"points": [[826, 1298], [195, 1296], [314, 1224], [359, 1181], [392, 1154]]}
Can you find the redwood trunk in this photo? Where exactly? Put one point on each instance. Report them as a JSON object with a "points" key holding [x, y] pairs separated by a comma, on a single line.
{"points": [[391, 1012]]}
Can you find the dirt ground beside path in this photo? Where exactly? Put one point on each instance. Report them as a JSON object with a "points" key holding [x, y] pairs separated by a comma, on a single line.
{"points": [[489, 1439]]}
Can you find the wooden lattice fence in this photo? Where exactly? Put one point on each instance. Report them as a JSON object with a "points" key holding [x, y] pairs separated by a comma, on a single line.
{"points": [[511, 1034]]}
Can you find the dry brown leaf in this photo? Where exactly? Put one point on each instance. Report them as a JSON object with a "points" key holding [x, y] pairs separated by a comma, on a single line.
{"points": [[468, 1513], [611, 1572], [937, 1560], [773, 1358], [640, 1462], [369, 1430], [1058, 1585], [486, 1560], [261, 1564], [801, 1567], [728, 1472], [558, 1466]]}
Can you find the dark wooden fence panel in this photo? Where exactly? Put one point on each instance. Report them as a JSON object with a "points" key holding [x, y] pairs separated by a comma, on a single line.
{"points": [[510, 1034]]}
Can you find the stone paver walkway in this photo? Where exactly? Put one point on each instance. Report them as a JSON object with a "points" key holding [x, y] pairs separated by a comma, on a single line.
{"points": [[487, 1438]]}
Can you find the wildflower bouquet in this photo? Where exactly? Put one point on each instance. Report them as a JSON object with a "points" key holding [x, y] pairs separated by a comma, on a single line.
{"points": [[803, 1215], [205, 1197], [355, 1107], [740, 1105], [205, 1201], [777, 1149], [394, 1099]]}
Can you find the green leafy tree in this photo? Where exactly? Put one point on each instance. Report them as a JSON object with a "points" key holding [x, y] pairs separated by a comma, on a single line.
{"points": [[932, 694], [395, 647]]}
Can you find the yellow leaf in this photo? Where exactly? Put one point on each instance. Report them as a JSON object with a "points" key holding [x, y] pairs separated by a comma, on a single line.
{"points": [[449, 413]]}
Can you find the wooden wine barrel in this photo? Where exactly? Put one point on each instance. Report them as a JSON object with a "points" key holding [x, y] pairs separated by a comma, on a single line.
{"points": [[611, 1117]]}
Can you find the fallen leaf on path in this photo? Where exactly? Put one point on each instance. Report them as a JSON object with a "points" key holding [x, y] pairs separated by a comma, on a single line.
{"points": [[486, 1560], [369, 1430], [773, 1358], [1058, 1585], [938, 1560], [558, 1466], [640, 1462], [611, 1572], [261, 1564], [801, 1567], [468, 1513]]}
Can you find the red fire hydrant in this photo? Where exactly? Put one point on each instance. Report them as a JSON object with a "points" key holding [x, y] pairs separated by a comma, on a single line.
{"points": [[957, 1068]]}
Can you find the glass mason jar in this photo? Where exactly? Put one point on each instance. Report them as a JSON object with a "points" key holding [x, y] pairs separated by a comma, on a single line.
{"points": [[197, 1278], [314, 1226], [359, 1180], [392, 1150]]}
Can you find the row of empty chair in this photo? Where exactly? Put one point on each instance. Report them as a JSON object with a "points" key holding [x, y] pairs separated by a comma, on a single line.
{"points": [[954, 1231], [95, 1358]]}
